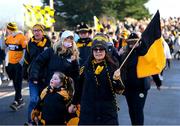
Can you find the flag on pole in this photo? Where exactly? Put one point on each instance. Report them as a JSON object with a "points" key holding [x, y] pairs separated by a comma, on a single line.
{"points": [[153, 62], [38, 14], [97, 24]]}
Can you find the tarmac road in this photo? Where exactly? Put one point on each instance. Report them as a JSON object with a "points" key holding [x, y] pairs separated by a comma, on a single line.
{"points": [[161, 108]]}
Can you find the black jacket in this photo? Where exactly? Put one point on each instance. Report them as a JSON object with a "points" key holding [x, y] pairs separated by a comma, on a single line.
{"points": [[32, 51], [48, 59], [53, 106], [84, 46], [96, 97], [129, 73]]}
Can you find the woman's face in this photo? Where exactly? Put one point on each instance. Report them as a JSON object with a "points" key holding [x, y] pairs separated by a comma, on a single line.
{"points": [[55, 81], [68, 42], [99, 54]]}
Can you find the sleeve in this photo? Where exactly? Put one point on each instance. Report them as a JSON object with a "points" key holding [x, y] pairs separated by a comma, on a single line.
{"points": [[23, 41], [27, 61], [40, 61]]}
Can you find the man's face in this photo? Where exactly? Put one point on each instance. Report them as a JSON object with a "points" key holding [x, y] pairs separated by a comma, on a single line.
{"points": [[38, 34], [83, 34]]}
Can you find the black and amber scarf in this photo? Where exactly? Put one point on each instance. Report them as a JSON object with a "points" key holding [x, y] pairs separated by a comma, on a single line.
{"points": [[41, 43]]}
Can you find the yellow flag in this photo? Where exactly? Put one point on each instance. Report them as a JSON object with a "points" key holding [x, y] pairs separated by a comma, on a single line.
{"points": [[97, 24], [153, 62]]}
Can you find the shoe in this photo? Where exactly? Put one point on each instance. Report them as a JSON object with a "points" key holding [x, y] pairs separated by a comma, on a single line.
{"points": [[17, 105]]}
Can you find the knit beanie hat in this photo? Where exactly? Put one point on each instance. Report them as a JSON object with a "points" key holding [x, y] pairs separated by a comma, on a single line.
{"points": [[39, 26], [12, 26], [100, 40]]}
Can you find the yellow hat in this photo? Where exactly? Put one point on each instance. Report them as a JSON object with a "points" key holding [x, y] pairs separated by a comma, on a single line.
{"points": [[12, 26], [39, 26], [124, 34]]}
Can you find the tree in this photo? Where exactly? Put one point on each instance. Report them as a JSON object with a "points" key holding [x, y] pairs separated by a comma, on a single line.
{"points": [[72, 12], [132, 8]]}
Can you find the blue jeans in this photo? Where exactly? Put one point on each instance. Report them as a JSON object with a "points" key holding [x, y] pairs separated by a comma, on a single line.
{"points": [[34, 97]]}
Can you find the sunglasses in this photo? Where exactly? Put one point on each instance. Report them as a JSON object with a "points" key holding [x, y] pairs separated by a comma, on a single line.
{"points": [[98, 49]]}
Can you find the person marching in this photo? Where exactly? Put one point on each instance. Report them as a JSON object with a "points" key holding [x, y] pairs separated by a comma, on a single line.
{"points": [[62, 57], [122, 39], [52, 106], [96, 91], [37, 44], [136, 89], [16, 44], [85, 42]]}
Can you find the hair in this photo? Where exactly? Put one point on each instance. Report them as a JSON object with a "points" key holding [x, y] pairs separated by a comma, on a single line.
{"points": [[67, 83], [60, 49]]}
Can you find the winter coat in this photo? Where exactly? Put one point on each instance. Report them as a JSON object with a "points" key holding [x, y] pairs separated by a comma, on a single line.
{"points": [[96, 96], [53, 106], [33, 49], [84, 46], [54, 63], [129, 73]]}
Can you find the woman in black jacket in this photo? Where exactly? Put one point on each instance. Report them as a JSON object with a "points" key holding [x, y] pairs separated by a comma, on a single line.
{"points": [[96, 91], [63, 57]]}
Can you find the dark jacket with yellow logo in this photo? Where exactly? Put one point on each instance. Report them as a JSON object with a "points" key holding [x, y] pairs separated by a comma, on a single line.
{"points": [[33, 49], [84, 46], [96, 96]]}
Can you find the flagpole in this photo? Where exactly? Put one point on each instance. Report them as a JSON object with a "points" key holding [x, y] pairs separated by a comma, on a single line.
{"points": [[117, 73], [51, 2]]}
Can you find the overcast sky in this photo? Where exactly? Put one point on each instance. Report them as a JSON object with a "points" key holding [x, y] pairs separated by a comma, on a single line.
{"points": [[167, 8], [12, 10]]}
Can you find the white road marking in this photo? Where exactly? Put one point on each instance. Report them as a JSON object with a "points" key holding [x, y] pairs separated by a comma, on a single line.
{"points": [[7, 94], [167, 87]]}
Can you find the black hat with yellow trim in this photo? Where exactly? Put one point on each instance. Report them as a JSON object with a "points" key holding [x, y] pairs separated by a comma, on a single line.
{"points": [[100, 40], [12, 26], [83, 27]]}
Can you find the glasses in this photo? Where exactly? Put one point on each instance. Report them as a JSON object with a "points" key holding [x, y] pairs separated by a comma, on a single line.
{"points": [[36, 30], [98, 49]]}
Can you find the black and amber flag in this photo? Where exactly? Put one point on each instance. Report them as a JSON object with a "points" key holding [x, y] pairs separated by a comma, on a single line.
{"points": [[153, 62]]}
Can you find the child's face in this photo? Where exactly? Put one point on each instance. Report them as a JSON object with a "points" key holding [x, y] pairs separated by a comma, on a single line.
{"points": [[55, 81]]}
